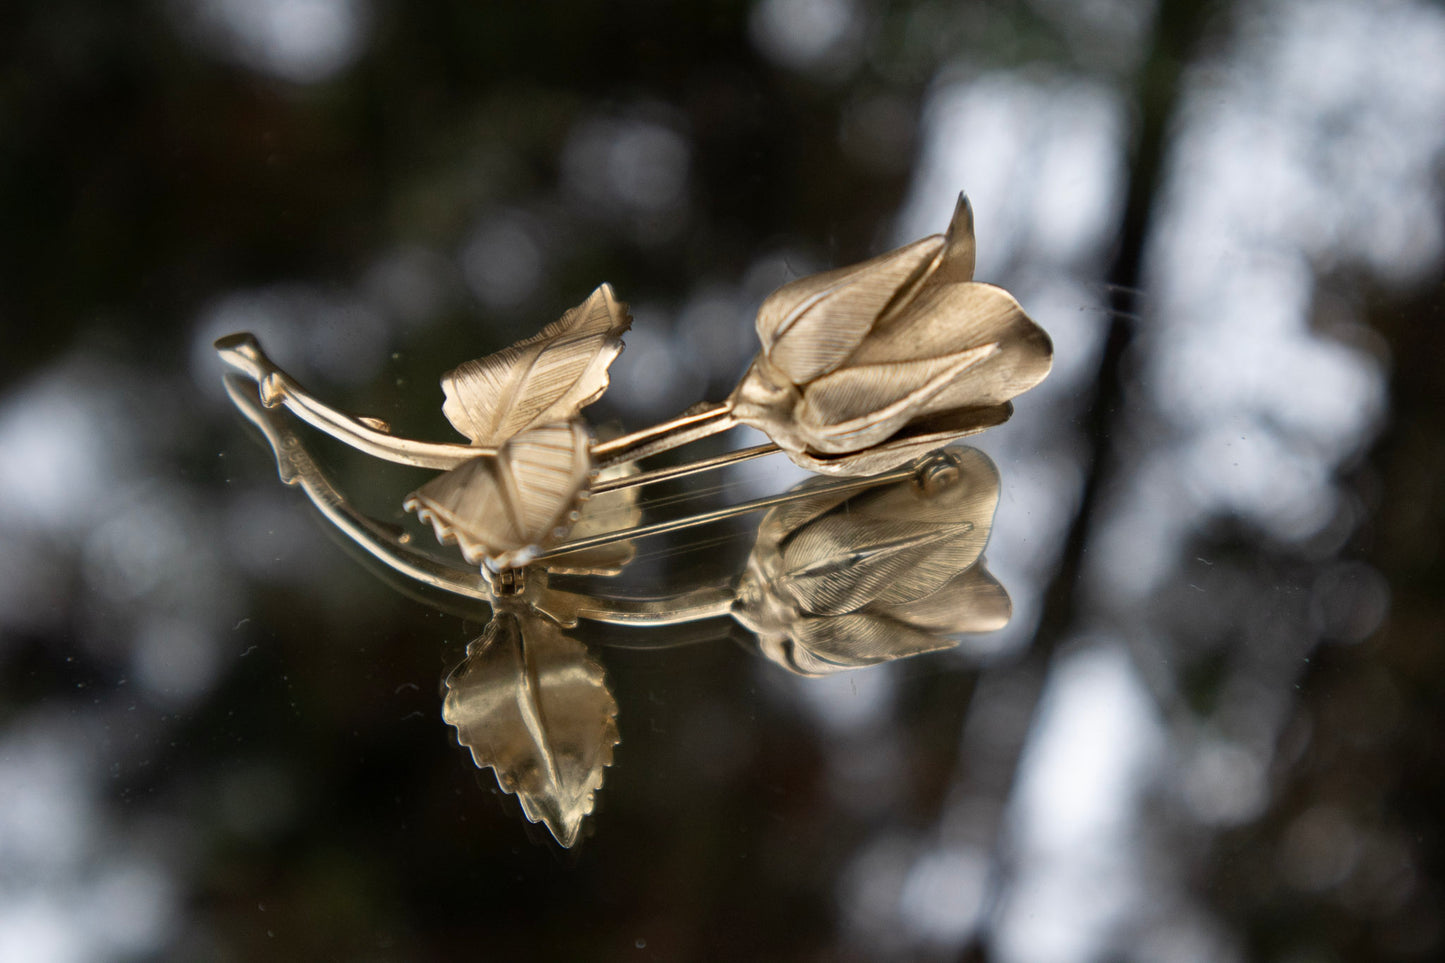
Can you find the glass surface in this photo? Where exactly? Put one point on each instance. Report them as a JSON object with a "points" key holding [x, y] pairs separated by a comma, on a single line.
{"points": [[1211, 728]]}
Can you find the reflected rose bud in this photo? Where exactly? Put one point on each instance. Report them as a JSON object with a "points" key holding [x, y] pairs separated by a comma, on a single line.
{"points": [[852, 579], [866, 367]]}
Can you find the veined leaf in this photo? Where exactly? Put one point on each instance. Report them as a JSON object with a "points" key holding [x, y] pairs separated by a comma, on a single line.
{"points": [[547, 378], [532, 705], [505, 508]]}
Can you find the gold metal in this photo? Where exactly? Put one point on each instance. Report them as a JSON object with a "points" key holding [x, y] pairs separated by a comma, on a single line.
{"points": [[387, 543], [721, 514], [842, 574], [871, 365], [369, 435], [519, 485], [698, 422], [637, 479], [855, 526], [866, 367], [862, 369], [842, 580], [533, 705], [546, 379], [503, 509], [394, 547]]}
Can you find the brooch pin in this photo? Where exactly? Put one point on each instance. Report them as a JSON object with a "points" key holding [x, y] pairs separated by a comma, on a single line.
{"points": [[861, 369]]}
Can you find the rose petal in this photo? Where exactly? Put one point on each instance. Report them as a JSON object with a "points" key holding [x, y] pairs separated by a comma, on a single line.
{"points": [[857, 407], [915, 439], [810, 326]]}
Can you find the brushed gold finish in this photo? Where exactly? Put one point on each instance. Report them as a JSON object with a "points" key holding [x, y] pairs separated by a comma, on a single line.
{"points": [[853, 357], [841, 580], [296, 466], [842, 574], [717, 515], [503, 509], [635, 479], [395, 548], [862, 369], [697, 422], [533, 705], [243, 353], [545, 379], [866, 367], [825, 548]]}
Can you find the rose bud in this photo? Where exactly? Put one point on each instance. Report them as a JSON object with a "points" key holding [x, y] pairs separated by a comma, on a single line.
{"points": [[866, 367]]}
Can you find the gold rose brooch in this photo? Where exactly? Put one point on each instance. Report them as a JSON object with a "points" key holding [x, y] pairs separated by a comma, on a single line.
{"points": [[861, 370]]}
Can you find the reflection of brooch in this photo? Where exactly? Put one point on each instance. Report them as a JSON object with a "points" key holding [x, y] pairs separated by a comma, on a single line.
{"points": [[861, 369]]}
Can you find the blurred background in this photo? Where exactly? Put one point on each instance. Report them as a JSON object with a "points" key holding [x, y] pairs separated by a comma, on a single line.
{"points": [[1213, 729]]}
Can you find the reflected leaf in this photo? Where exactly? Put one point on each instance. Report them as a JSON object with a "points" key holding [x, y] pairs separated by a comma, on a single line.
{"points": [[611, 511], [531, 704]]}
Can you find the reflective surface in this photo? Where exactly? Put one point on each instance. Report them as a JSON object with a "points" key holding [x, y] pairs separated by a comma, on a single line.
{"points": [[1211, 728]]}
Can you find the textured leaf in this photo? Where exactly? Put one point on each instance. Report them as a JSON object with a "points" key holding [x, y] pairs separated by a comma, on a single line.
{"points": [[506, 508], [531, 704], [546, 378]]}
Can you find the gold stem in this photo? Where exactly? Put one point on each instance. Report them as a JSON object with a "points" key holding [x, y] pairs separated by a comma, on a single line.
{"points": [[698, 422], [296, 467], [721, 514], [243, 352], [682, 471], [709, 602]]}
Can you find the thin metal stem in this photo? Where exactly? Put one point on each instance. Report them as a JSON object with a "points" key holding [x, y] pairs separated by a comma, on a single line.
{"points": [[721, 514], [296, 467], [700, 422], [709, 602], [243, 352], [682, 471]]}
